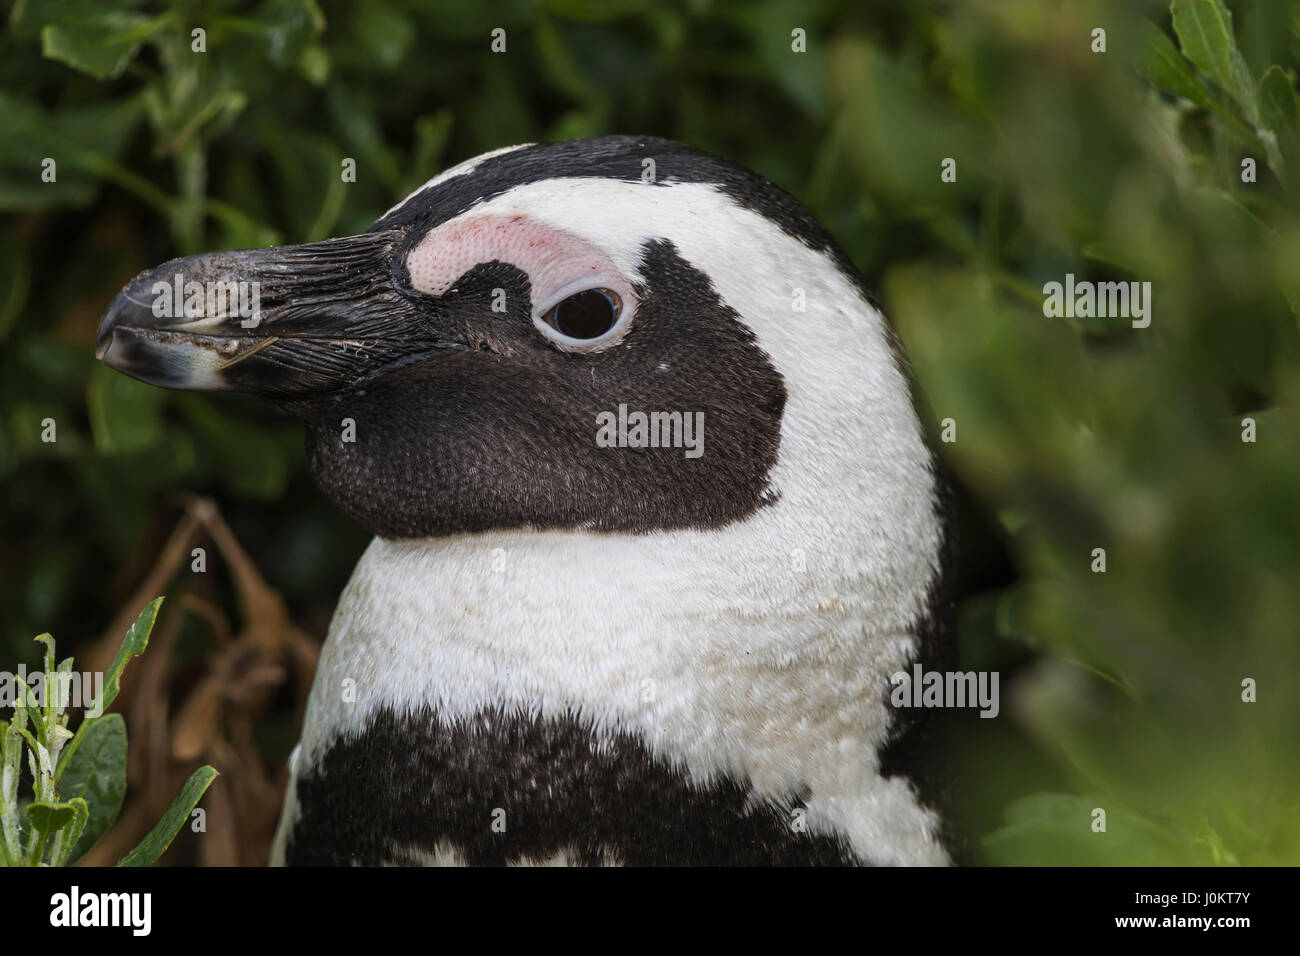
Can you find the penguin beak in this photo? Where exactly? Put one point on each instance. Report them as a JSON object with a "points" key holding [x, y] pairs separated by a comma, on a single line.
{"points": [[284, 322]]}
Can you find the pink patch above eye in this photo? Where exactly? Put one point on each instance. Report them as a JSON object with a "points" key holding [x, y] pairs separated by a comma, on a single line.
{"points": [[558, 264]]}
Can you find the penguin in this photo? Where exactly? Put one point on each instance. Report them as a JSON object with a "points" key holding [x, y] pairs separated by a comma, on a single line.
{"points": [[656, 521]]}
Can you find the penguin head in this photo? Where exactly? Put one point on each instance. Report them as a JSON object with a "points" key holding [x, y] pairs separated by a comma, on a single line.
{"points": [[456, 364]]}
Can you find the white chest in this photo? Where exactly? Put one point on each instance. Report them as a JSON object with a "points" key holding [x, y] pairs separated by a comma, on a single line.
{"points": [[758, 651]]}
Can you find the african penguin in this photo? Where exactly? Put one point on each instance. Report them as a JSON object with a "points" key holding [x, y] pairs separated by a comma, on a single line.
{"points": [[655, 518]]}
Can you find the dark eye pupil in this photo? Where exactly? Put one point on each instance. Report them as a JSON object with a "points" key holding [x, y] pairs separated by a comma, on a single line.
{"points": [[586, 315]]}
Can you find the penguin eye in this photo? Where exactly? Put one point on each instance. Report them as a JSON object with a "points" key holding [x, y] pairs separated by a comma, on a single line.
{"points": [[585, 315]]}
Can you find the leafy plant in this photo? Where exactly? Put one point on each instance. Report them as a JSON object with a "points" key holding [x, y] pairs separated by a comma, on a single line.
{"points": [[1167, 752], [78, 780]]}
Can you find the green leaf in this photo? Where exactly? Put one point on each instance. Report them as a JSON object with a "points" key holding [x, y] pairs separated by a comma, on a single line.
{"points": [[11, 751], [50, 706], [285, 27], [20, 707], [48, 640], [1046, 829], [97, 773], [1204, 29], [382, 35], [161, 836], [102, 44], [558, 62], [49, 818], [84, 139], [71, 836], [136, 640], [1163, 66], [314, 64], [1279, 109], [27, 708]]}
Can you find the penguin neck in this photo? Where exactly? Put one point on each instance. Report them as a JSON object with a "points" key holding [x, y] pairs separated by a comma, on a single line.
{"points": [[760, 651]]}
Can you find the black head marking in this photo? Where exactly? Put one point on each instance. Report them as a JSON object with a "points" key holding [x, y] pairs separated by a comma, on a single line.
{"points": [[608, 157], [503, 434]]}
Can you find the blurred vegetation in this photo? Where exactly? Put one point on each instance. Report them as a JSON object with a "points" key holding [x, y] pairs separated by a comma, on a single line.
{"points": [[1121, 690]]}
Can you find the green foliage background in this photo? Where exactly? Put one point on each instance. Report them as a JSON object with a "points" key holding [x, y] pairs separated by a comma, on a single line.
{"points": [[1120, 690]]}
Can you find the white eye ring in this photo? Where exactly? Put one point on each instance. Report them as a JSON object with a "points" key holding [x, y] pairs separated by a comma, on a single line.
{"points": [[550, 321]]}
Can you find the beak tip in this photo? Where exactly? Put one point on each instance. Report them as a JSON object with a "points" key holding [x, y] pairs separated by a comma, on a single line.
{"points": [[127, 341], [105, 334]]}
